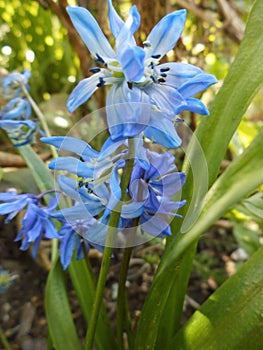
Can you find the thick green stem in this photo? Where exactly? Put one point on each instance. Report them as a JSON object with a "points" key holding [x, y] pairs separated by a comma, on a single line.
{"points": [[111, 234]]}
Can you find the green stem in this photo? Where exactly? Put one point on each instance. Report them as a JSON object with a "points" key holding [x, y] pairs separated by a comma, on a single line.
{"points": [[111, 234], [123, 319], [40, 116]]}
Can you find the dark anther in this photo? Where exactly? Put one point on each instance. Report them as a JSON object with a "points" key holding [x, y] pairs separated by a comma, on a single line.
{"points": [[130, 84], [156, 56], [147, 44], [101, 82], [163, 75], [99, 59], [161, 80], [166, 69], [153, 78], [95, 70]]}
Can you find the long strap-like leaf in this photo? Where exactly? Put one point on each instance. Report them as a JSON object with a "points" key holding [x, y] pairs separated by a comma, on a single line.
{"points": [[232, 317]]}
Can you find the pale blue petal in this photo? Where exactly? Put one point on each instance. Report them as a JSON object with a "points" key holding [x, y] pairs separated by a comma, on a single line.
{"points": [[116, 22], [90, 32], [169, 207], [128, 111], [72, 165], [199, 83], [196, 106], [161, 130], [178, 73], [71, 188], [165, 34], [109, 147], [169, 184], [125, 35], [132, 61], [77, 212], [115, 190], [140, 153], [161, 164], [72, 144], [132, 210], [155, 226], [6, 208], [10, 196], [166, 98], [82, 92]]}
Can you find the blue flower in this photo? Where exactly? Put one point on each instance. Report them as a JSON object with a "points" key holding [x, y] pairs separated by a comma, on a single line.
{"points": [[156, 189], [11, 85], [37, 221], [71, 240], [140, 85], [20, 132]]}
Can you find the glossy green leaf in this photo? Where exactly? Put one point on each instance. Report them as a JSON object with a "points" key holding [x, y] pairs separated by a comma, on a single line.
{"points": [[59, 317], [242, 176], [232, 318], [214, 134], [84, 285]]}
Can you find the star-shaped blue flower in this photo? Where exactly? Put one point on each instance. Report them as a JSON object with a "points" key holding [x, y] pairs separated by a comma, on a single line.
{"points": [[140, 85]]}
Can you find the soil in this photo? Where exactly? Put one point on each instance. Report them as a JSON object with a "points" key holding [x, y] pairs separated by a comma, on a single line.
{"points": [[22, 315]]}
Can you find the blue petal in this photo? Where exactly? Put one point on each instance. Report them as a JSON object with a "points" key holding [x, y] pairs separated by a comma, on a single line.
{"points": [[161, 164], [72, 144], [116, 23], [196, 106], [6, 208], [166, 98], [139, 190], [17, 108], [125, 36], [77, 212], [67, 247], [94, 204], [82, 92], [50, 231], [132, 62], [90, 32], [140, 153], [109, 147], [165, 34], [132, 210], [115, 190], [161, 130], [155, 226], [10, 196], [169, 184], [35, 231], [199, 83], [169, 207], [128, 111], [72, 165], [178, 73]]}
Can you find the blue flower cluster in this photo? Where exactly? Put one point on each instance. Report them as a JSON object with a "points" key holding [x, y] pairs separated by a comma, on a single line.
{"points": [[14, 117], [143, 102]]}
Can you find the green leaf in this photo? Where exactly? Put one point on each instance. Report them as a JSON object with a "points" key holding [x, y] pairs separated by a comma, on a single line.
{"points": [[59, 317], [214, 134], [232, 317], [84, 285], [42, 175], [242, 176], [247, 239], [255, 204]]}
